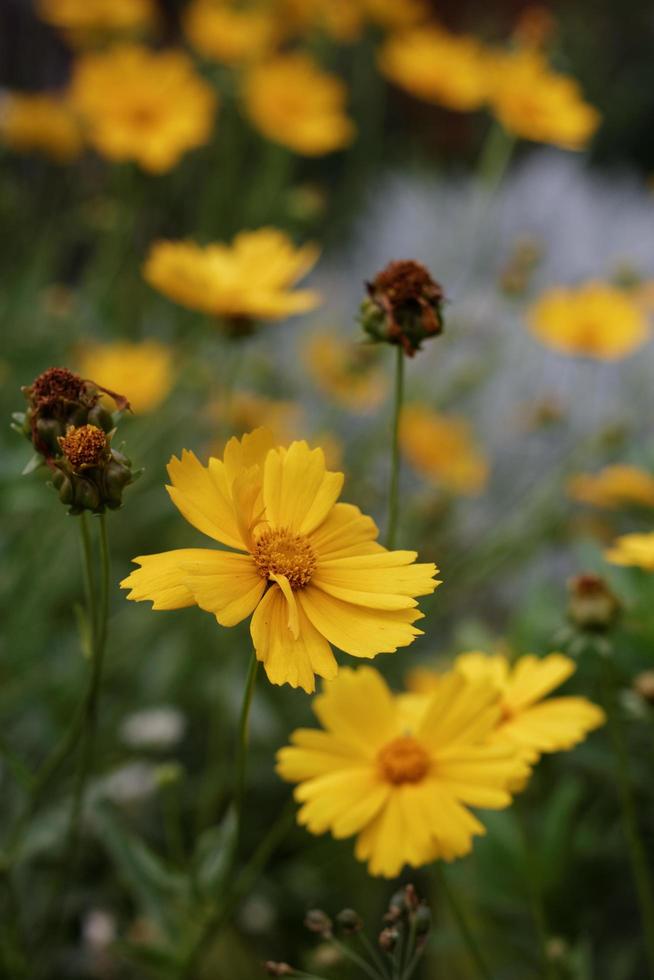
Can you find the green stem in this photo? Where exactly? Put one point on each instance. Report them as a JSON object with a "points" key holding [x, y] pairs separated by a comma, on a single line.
{"points": [[464, 929], [89, 573], [394, 489], [242, 751], [637, 852], [495, 156], [535, 896], [356, 959], [374, 954]]}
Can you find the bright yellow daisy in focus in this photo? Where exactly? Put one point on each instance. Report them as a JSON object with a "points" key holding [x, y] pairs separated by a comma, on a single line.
{"points": [[633, 549], [437, 66], [530, 721], [150, 107], [250, 279], [81, 18], [227, 32], [291, 101], [42, 124], [143, 372], [347, 372], [403, 786], [534, 102], [593, 320], [614, 486], [309, 569], [442, 449]]}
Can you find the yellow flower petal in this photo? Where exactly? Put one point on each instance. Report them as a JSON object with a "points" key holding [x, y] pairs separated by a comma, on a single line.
{"points": [[534, 677], [202, 495], [345, 531], [342, 802], [298, 490], [161, 580], [314, 753], [360, 708], [555, 725], [460, 711], [228, 585], [385, 580]]}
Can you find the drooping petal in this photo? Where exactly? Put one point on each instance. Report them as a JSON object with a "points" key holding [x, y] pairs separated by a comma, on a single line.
{"points": [[288, 659], [358, 708], [161, 579], [555, 725], [202, 495], [228, 585], [298, 490], [385, 580], [359, 631], [345, 531]]}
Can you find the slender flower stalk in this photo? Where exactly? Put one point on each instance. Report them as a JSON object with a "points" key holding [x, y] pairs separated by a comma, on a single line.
{"points": [[242, 752], [495, 157], [637, 853], [535, 897], [465, 931], [394, 488]]}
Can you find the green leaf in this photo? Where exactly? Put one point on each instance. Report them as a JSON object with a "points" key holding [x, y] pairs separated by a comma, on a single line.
{"points": [[212, 857]]}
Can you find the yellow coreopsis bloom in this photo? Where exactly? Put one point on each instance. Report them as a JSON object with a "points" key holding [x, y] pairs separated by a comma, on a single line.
{"points": [[614, 486], [529, 720], [441, 448], [534, 102], [594, 320], [246, 410], [633, 549], [41, 123], [309, 569], [403, 783], [147, 106], [432, 64], [344, 20], [292, 101], [143, 372], [345, 371], [83, 17], [228, 32], [252, 278]]}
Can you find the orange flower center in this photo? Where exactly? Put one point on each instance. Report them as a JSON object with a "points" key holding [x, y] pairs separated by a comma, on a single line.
{"points": [[278, 551], [403, 760]]}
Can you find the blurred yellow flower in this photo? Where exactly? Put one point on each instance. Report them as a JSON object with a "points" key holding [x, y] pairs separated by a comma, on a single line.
{"points": [[404, 788], [83, 17], [308, 568], [142, 105], [250, 279], [527, 721], [533, 102], [247, 410], [594, 320], [441, 448], [41, 123], [291, 101], [228, 32], [344, 20], [447, 69], [346, 371], [614, 486], [143, 372], [633, 549]]}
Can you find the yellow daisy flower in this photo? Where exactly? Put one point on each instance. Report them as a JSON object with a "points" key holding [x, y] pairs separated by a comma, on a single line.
{"points": [[441, 448], [83, 17], [41, 123], [345, 371], [633, 549], [309, 569], [432, 64], [250, 279], [401, 783], [227, 32], [344, 20], [591, 320], [535, 103], [147, 106], [527, 721], [614, 486], [143, 372], [292, 101]]}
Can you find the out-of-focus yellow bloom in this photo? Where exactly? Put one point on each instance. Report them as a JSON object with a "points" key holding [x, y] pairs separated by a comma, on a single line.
{"points": [[535, 103], [252, 278], [441, 448], [403, 785], [84, 17], [344, 20], [247, 410], [347, 372], [527, 721], [143, 372], [592, 320], [633, 549], [614, 486], [292, 101], [142, 105], [228, 32], [40, 123], [308, 569], [447, 69]]}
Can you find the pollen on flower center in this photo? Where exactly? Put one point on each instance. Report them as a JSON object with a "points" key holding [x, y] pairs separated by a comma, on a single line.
{"points": [[279, 551], [403, 760]]}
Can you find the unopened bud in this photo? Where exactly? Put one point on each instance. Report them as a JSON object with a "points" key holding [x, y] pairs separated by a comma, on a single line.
{"points": [[349, 921], [319, 922], [388, 939], [592, 606], [422, 921], [278, 969], [404, 306], [411, 899], [644, 685]]}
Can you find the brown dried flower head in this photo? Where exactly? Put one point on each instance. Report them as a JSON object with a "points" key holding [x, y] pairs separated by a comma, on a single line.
{"points": [[84, 446], [403, 306], [592, 607]]}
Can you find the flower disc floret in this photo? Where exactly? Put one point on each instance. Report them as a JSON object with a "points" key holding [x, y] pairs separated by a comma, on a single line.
{"points": [[84, 446], [278, 551], [404, 760]]}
